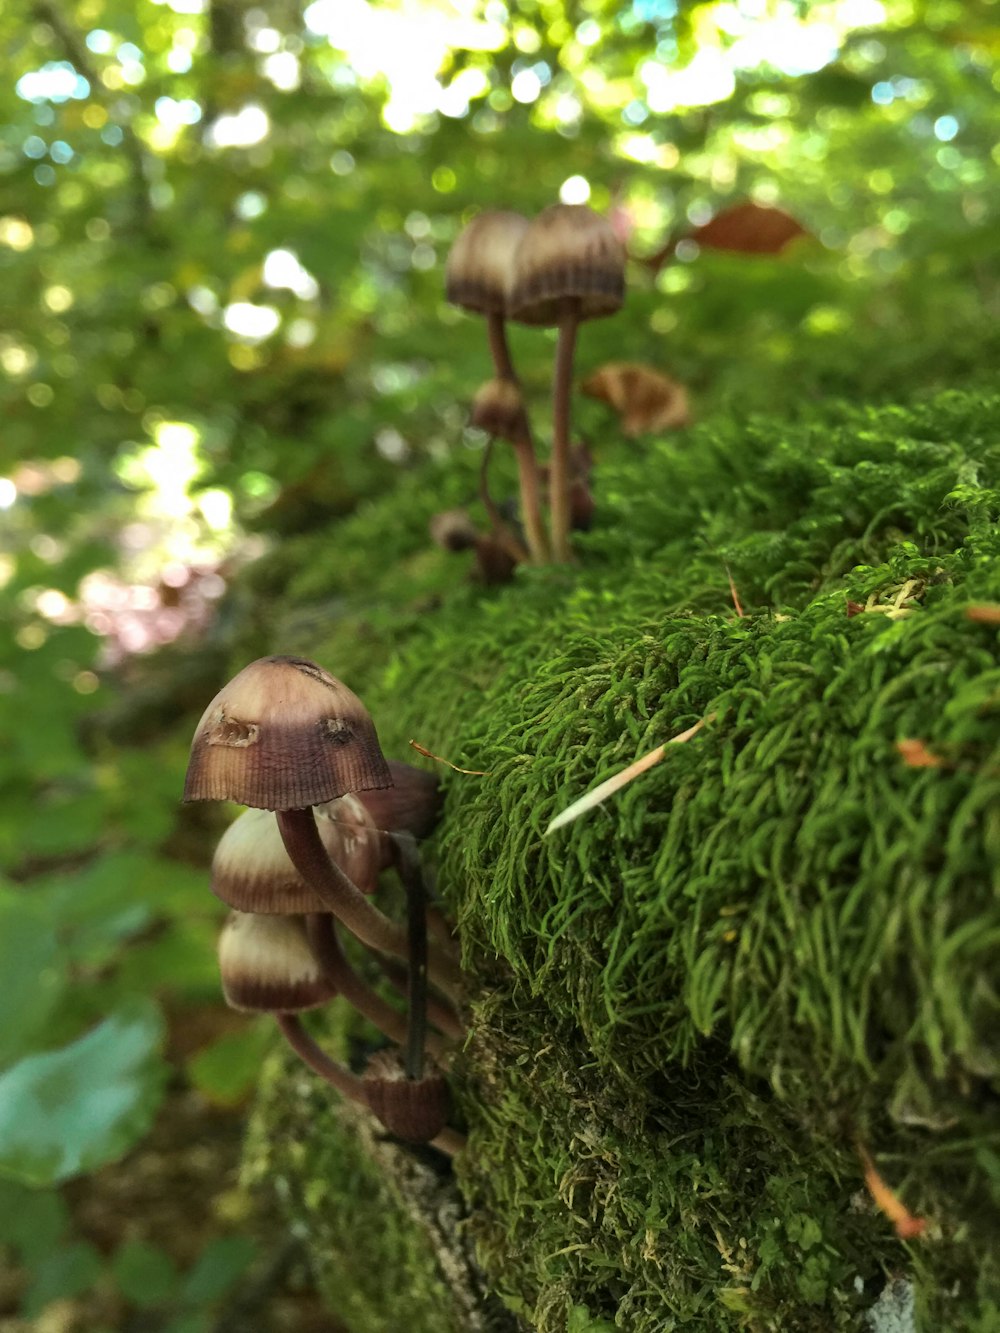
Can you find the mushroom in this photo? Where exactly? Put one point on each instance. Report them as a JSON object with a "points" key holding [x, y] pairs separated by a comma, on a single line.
{"points": [[268, 967], [569, 266], [415, 1110], [477, 275], [285, 735]]}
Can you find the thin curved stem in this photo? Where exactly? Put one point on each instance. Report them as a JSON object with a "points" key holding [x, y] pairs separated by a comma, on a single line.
{"points": [[559, 470], [512, 544], [338, 972], [311, 859], [527, 464], [304, 1046]]}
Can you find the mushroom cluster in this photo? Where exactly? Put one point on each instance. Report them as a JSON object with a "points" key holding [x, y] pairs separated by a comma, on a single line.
{"points": [[327, 813], [557, 270]]}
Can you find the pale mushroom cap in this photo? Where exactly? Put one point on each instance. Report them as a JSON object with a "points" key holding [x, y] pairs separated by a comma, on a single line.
{"points": [[283, 735], [267, 965], [252, 871], [480, 262], [570, 259]]}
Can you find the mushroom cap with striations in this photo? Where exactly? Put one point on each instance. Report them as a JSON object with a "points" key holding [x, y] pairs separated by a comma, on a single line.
{"points": [[283, 735], [479, 265], [570, 259], [252, 871], [267, 965]]}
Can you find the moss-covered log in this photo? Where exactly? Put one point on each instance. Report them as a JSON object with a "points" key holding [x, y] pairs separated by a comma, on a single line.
{"points": [[691, 1006]]}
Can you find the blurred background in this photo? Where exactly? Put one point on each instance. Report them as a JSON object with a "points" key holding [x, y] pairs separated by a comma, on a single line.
{"points": [[222, 233]]}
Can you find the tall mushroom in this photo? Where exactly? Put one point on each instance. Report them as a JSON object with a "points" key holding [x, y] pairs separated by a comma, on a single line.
{"points": [[477, 276], [569, 266]]}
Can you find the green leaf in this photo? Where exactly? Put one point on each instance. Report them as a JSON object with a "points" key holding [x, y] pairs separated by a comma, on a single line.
{"points": [[227, 1070], [67, 1270], [31, 1220], [146, 1275], [72, 1110], [218, 1268], [30, 979]]}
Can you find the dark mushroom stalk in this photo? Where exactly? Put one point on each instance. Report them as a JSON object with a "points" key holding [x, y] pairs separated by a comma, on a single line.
{"points": [[339, 974], [569, 267], [476, 278]]}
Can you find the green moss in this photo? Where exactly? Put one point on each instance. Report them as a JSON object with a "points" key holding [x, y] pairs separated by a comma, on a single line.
{"points": [[780, 939]]}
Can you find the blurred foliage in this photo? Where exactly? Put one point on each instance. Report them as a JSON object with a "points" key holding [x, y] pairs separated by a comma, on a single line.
{"points": [[222, 231]]}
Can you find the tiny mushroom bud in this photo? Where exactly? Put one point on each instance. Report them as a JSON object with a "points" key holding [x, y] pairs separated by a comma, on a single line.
{"points": [[415, 1110], [569, 267], [453, 530], [477, 277], [498, 409], [267, 965]]}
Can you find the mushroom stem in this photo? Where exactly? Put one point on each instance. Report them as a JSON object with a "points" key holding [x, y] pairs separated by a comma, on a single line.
{"points": [[439, 1013], [304, 1046], [511, 543], [339, 973], [527, 465], [559, 473], [407, 861], [311, 859]]}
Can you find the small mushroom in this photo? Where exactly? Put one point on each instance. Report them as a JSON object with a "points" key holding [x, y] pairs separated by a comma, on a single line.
{"points": [[477, 275], [569, 267], [252, 871], [285, 735], [411, 805], [267, 965], [415, 1110]]}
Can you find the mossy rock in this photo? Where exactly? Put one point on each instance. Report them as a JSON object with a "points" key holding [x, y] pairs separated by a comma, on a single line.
{"points": [[690, 1006]]}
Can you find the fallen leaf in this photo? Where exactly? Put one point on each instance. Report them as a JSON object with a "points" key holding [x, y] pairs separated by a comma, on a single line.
{"points": [[749, 229], [983, 614], [915, 754], [645, 399]]}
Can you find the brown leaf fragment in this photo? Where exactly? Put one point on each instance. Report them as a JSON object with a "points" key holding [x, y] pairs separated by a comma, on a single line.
{"points": [[915, 754], [645, 399], [749, 229], [984, 613]]}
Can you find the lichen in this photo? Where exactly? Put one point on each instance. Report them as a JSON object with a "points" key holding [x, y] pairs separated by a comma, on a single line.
{"points": [[782, 939]]}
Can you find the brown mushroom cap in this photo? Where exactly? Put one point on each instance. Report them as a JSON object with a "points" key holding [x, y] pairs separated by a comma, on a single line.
{"points": [[283, 735], [267, 965], [411, 805], [569, 259], [480, 262], [252, 871]]}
